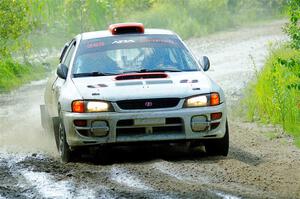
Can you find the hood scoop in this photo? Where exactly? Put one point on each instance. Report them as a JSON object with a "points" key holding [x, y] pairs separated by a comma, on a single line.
{"points": [[141, 76]]}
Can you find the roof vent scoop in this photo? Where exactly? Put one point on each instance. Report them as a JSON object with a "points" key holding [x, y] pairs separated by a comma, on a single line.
{"points": [[126, 28]]}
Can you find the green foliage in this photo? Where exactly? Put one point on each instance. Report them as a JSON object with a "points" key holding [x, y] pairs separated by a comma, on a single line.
{"points": [[193, 18], [15, 24], [293, 28], [14, 74], [247, 10], [277, 91], [200, 17], [63, 19]]}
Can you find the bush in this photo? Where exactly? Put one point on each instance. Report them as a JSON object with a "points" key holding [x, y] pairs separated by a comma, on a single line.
{"points": [[199, 17], [15, 25], [293, 28], [277, 92], [14, 74], [65, 18]]}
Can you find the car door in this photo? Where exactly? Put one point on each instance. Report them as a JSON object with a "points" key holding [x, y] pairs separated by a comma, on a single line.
{"points": [[65, 59]]}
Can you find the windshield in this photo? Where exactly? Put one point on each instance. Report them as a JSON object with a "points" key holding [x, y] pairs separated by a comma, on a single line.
{"points": [[132, 53]]}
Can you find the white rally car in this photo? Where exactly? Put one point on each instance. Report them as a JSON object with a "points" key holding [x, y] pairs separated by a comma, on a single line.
{"points": [[129, 84]]}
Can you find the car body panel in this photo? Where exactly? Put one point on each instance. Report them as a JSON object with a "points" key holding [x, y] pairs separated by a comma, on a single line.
{"points": [[76, 139], [137, 89]]}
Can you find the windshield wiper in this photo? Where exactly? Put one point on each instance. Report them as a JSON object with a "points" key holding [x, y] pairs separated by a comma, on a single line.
{"points": [[92, 74], [164, 70], [153, 70]]}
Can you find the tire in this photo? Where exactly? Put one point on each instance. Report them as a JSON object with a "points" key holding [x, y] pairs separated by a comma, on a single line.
{"points": [[218, 146], [65, 153]]}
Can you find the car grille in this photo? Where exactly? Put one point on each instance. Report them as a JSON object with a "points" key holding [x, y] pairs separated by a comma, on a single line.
{"points": [[148, 103]]}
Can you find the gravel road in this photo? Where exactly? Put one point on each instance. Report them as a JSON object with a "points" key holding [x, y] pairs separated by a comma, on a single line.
{"points": [[256, 167]]}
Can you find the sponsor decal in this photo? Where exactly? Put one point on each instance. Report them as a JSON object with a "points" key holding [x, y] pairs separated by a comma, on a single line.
{"points": [[95, 44], [165, 41], [122, 42]]}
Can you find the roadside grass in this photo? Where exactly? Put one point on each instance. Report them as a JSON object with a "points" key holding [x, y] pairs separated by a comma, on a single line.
{"points": [[14, 74], [275, 95]]}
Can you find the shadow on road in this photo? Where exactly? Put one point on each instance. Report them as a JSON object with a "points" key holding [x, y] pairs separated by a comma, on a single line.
{"points": [[245, 156], [140, 154]]}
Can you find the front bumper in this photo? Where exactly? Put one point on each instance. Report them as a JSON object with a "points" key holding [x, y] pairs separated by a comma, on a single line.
{"points": [[154, 125]]}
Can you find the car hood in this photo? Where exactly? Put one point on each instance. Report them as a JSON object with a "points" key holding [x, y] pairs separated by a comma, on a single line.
{"points": [[176, 84]]}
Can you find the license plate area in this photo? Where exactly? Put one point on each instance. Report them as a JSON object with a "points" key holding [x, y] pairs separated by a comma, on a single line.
{"points": [[149, 121]]}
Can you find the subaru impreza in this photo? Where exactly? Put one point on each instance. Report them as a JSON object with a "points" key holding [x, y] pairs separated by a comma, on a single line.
{"points": [[130, 85]]}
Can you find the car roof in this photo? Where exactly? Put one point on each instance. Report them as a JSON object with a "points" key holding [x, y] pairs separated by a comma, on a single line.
{"points": [[106, 33]]}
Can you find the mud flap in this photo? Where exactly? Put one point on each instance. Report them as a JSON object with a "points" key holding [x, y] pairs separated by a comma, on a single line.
{"points": [[44, 117]]}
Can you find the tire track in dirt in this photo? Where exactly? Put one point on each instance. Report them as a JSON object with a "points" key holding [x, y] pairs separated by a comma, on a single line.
{"points": [[35, 183]]}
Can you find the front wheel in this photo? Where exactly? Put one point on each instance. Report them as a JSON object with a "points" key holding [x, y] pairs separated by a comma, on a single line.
{"points": [[218, 146], [63, 147]]}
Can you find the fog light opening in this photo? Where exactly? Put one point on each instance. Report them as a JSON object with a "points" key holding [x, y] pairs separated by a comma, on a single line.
{"points": [[100, 128], [80, 123], [214, 125], [199, 123]]}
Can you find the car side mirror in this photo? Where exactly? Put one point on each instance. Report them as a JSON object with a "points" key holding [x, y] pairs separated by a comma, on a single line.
{"points": [[205, 63], [62, 71]]}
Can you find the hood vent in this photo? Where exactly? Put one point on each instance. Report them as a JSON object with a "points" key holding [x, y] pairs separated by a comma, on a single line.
{"points": [[141, 76]]}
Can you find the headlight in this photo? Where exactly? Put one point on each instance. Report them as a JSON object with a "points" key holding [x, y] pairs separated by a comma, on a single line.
{"points": [[197, 101], [80, 106], [211, 99], [97, 107]]}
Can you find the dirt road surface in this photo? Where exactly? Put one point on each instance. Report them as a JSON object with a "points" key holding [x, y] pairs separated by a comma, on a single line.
{"points": [[256, 167]]}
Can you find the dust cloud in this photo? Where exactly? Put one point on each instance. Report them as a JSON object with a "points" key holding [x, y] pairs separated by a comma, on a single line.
{"points": [[20, 125]]}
